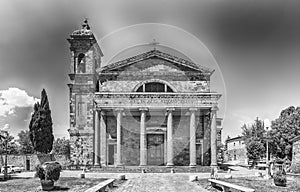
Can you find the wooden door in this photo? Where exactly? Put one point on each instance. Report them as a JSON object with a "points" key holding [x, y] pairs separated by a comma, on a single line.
{"points": [[155, 149]]}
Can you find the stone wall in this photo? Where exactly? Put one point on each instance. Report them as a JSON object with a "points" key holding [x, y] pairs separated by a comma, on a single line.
{"points": [[130, 140], [130, 133], [129, 86], [29, 162], [153, 69]]}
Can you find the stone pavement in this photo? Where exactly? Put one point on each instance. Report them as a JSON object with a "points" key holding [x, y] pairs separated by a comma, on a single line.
{"points": [[143, 182], [156, 182]]}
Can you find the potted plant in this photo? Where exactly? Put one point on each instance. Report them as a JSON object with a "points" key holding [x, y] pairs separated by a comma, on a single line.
{"points": [[280, 178], [48, 173]]}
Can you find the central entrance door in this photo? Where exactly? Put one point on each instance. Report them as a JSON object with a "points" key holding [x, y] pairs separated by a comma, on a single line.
{"points": [[155, 149]]}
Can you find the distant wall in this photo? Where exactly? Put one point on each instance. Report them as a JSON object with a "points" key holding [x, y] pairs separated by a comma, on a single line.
{"points": [[30, 161]]}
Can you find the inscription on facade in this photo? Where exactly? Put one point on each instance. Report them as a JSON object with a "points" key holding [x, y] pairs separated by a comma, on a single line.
{"points": [[156, 100]]}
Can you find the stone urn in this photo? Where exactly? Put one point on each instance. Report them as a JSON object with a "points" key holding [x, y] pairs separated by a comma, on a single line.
{"points": [[47, 185]]}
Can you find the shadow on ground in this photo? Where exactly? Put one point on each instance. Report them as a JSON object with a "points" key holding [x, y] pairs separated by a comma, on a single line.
{"points": [[59, 188]]}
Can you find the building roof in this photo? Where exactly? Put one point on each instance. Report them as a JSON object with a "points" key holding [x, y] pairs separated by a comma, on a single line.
{"points": [[159, 54], [238, 138]]}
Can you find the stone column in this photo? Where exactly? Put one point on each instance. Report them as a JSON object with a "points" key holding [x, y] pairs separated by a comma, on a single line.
{"points": [[193, 137], [103, 140], [170, 137], [97, 139], [119, 121], [213, 138], [143, 145]]}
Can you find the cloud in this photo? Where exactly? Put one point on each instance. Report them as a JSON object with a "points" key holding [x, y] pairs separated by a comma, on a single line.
{"points": [[12, 98]]}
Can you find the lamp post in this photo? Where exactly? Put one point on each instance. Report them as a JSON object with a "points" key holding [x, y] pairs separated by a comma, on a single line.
{"points": [[4, 137], [267, 127]]}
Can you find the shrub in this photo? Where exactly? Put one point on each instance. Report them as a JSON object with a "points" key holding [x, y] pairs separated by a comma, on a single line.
{"points": [[49, 171], [39, 172]]}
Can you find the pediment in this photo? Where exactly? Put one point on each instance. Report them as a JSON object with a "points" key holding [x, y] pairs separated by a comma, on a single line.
{"points": [[179, 62]]}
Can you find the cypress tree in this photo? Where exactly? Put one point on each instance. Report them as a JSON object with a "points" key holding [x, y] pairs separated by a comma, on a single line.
{"points": [[40, 127]]}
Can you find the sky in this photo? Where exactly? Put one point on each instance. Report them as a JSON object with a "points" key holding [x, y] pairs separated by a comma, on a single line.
{"points": [[255, 44]]}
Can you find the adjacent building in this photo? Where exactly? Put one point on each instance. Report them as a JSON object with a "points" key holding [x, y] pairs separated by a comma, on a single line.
{"points": [[152, 108], [235, 149], [295, 166]]}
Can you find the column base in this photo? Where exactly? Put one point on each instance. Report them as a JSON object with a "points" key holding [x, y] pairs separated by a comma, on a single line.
{"points": [[192, 165], [142, 166], [96, 165], [103, 165], [170, 165], [119, 165]]}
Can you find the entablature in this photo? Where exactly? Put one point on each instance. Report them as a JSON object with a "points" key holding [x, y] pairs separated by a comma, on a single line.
{"points": [[155, 100]]}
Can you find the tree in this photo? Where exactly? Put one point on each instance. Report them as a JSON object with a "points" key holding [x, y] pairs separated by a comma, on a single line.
{"points": [[12, 147], [254, 139], [255, 148], [25, 143], [61, 146], [284, 128], [40, 127]]}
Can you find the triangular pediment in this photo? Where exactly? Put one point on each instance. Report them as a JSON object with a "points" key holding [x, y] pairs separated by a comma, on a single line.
{"points": [[119, 65]]}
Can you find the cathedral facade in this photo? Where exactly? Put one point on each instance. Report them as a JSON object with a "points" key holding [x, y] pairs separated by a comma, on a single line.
{"points": [[152, 108]]}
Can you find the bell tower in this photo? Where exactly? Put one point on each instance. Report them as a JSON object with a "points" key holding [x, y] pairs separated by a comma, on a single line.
{"points": [[85, 59]]}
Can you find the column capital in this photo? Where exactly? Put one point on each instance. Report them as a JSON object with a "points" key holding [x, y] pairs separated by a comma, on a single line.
{"points": [[214, 108], [119, 109], [193, 109], [143, 109], [101, 112], [170, 109], [95, 108]]}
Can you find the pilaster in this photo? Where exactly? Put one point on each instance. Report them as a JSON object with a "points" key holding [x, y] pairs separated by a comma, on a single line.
{"points": [[97, 139], [103, 139], [214, 136]]}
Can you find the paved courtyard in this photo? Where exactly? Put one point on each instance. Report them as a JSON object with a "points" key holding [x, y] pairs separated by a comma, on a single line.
{"points": [[159, 182], [154, 182]]}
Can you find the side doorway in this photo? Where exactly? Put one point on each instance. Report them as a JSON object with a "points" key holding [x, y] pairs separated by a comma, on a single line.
{"points": [[112, 148], [199, 153]]}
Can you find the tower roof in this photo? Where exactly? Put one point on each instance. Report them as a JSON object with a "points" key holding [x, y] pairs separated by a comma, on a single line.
{"points": [[84, 31]]}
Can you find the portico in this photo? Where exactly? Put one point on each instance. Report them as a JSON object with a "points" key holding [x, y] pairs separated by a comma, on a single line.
{"points": [[161, 130]]}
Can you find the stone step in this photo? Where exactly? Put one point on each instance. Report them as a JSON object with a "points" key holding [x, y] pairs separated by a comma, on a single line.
{"points": [[151, 169]]}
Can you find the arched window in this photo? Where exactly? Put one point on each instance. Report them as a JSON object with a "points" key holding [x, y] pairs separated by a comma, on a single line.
{"points": [[81, 63], [154, 87]]}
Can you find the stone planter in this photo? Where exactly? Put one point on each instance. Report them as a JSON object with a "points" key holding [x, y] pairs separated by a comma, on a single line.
{"points": [[47, 185], [280, 178], [279, 183]]}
